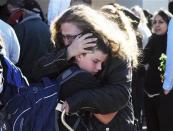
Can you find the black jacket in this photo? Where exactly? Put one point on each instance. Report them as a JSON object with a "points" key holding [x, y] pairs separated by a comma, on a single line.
{"points": [[114, 93], [155, 47], [34, 39], [50, 65]]}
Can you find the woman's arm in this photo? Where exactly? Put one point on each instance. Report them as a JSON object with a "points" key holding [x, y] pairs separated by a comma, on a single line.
{"points": [[82, 82], [50, 65], [110, 97]]}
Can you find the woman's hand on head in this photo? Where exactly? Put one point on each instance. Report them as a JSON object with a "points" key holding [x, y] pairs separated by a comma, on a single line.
{"points": [[80, 44]]}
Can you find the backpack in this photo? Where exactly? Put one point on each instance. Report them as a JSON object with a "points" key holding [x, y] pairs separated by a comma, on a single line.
{"points": [[33, 108]]}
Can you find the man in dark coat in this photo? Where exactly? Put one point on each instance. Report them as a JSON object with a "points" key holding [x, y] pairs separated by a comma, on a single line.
{"points": [[34, 38]]}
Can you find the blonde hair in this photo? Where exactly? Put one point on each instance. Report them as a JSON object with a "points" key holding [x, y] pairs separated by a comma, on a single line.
{"points": [[88, 19]]}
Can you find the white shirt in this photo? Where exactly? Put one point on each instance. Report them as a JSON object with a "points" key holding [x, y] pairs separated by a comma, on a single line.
{"points": [[168, 81], [56, 7], [145, 32], [11, 43]]}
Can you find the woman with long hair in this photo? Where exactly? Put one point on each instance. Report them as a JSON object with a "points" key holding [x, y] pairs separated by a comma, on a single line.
{"points": [[113, 97]]}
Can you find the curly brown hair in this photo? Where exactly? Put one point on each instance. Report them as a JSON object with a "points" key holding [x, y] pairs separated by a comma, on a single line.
{"points": [[86, 18]]}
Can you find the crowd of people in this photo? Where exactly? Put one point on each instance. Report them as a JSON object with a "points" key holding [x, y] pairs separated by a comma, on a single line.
{"points": [[117, 49]]}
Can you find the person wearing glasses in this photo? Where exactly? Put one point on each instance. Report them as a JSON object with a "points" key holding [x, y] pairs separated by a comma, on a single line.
{"points": [[69, 43], [114, 94]]}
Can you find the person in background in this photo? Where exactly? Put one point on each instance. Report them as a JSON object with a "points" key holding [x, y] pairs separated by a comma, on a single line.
{"points": [[15, 11], [11, 43], [166, 113], [34, 38], [142, 27], [56, 7], [153, 82], [12, 80], [35, 7], [148, 16], [168, 77]]}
